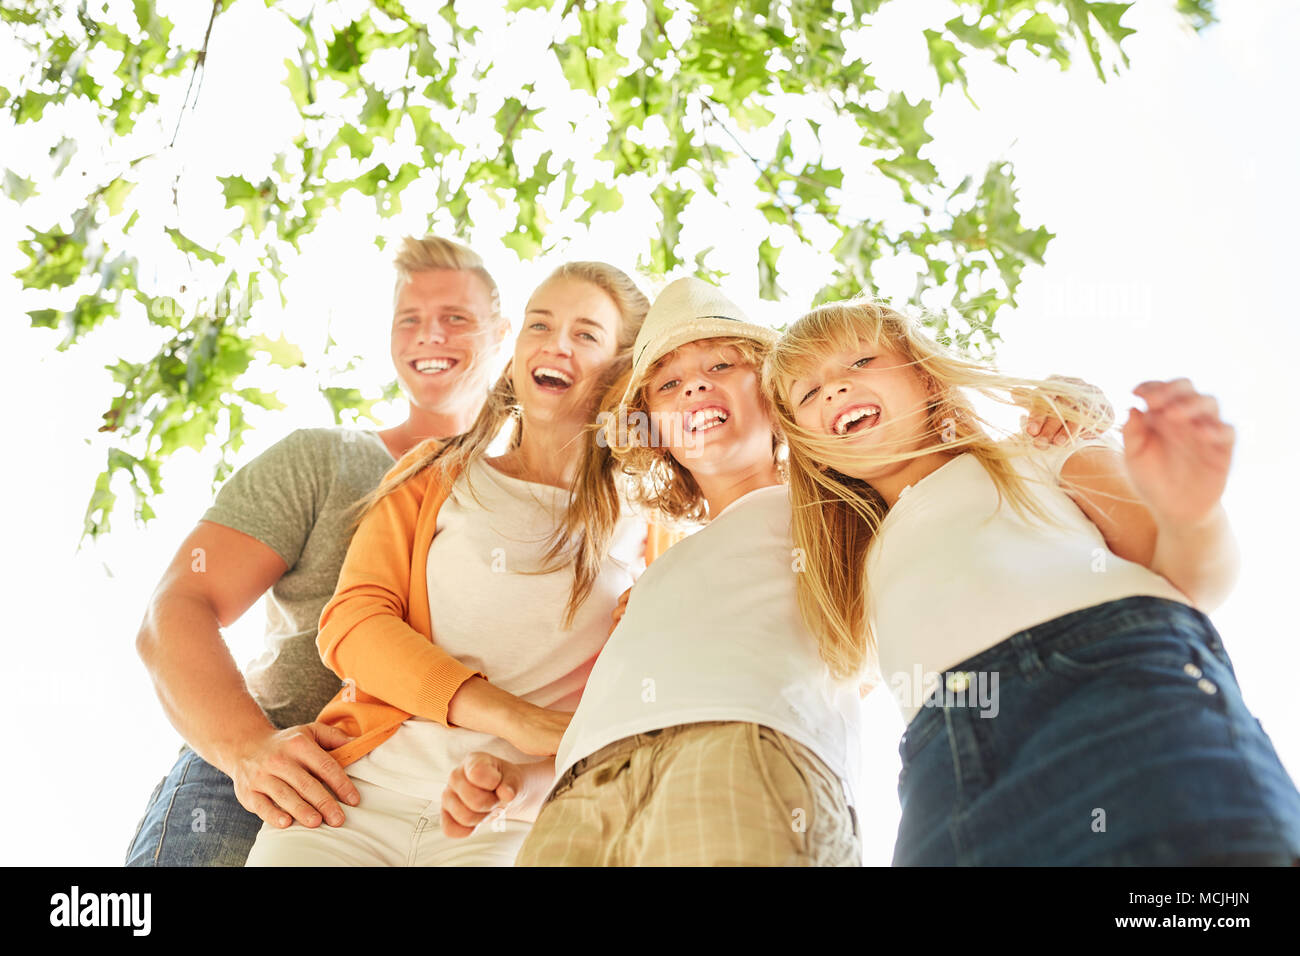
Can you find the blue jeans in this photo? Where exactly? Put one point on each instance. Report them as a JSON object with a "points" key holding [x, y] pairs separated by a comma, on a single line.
{"points": [[1119, 737], [194, 819]]}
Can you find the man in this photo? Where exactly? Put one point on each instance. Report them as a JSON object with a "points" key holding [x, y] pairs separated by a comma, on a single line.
{"points": [[282, 523]]}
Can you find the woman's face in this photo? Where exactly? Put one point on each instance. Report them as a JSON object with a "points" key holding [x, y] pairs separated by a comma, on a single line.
{"points": [[569, 337], [707, 405], [442, 336], [871, 399]]}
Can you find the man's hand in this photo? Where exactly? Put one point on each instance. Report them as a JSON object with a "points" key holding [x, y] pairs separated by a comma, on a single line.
{"points": [[1178, 452], [478, 786], [284, 776], [1046, 428]]}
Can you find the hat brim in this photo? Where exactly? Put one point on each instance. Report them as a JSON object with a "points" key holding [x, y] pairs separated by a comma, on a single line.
{"points": [[705, 327]]}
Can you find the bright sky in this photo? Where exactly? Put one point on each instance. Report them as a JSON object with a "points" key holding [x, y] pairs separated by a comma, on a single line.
{"points": [[1171, 191]]}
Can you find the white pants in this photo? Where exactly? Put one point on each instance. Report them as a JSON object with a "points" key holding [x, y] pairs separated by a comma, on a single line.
{"points": [[388, 828]]}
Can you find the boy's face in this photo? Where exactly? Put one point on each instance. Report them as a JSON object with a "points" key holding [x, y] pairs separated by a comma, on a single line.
{"points": [[705, 401]]}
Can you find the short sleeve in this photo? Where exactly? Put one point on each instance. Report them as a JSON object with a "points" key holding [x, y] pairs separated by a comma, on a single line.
{"points": [[277, 496], [1053, 458]]}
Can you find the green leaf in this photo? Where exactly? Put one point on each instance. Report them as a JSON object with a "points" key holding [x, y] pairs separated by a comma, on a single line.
{"points": [[18, 188], [600, 198], [767, 272], [281, 351], [946, 59], [185, 244], [115, 194]]}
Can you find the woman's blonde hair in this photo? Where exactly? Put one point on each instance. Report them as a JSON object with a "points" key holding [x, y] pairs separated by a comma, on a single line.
{"points": [[835, 516], [660, 482], [582, 536]]}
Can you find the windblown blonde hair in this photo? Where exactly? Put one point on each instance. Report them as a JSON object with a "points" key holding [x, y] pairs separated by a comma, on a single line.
{"points": [[660, 482], [582, 536], [836, 516]]}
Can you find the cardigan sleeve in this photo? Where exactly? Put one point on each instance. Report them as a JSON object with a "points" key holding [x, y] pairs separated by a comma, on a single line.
{"points": [[364, 631]]}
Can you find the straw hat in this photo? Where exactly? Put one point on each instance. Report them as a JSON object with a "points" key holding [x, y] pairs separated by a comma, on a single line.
{"points": [[686, 311]]}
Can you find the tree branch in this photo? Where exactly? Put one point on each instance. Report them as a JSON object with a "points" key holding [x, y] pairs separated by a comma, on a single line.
{"points": [[199, 62]]}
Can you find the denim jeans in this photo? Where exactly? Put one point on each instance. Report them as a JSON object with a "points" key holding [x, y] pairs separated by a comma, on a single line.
{"points": [[1119, 737], [193, 819]]}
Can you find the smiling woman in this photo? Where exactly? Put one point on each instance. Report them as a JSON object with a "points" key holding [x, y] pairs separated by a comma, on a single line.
{"points": [[477, 591]]}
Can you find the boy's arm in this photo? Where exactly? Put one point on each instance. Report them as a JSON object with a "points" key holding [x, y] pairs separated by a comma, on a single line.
{"points": [[483, 782], [1158, 503]]}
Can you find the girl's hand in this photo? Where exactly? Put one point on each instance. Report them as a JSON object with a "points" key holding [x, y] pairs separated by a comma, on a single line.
{"points": [[478, 786], [1045, 428], [1178, 452], [619, 608], [537, 730]]}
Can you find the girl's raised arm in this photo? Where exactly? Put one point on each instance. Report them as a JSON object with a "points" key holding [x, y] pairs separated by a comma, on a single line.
{"points": [[1158, 502]]}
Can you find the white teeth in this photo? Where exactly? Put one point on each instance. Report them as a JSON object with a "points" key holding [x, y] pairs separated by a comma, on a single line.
{"points": [[848, 418], [554, 373], [433, 364], [707, 418]]}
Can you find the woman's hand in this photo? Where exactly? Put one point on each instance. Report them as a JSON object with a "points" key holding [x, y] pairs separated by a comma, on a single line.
{"points": [[537, 730], [1178, 453]]}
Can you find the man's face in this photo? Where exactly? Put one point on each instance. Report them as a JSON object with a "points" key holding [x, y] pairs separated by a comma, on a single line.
{"points": [[443, 332]]}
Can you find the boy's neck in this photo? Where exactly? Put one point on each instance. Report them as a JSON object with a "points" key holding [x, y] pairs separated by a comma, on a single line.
{"points": [[723, 489]]}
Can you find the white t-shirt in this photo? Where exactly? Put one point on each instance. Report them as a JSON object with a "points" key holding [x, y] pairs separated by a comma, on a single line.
{"points": [[712, 631], [951, 574], [490, 615]]}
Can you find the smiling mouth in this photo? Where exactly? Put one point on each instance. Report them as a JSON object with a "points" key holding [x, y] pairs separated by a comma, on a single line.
{"points": [[856, 419], [433, 366], [706, 419], [552, 379]]}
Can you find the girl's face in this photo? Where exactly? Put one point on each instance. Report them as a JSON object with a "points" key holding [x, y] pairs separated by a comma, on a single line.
{"points": [[871, 399], [570, 334], [707, 404]]}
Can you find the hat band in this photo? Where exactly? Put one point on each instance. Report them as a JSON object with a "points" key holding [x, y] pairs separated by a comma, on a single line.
{"points": [[696, 319]]}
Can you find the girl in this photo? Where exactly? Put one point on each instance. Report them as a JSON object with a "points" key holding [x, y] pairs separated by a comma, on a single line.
{"points": [[1088, 713], [466, 566]]}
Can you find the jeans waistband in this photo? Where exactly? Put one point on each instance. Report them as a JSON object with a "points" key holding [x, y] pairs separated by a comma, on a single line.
{"points": [[1024, 650]]}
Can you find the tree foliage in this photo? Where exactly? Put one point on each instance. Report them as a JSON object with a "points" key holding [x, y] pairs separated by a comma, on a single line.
{"points": [[685, 91]]}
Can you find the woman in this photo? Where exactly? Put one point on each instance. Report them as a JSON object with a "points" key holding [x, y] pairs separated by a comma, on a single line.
{"points": [[468, 566]]}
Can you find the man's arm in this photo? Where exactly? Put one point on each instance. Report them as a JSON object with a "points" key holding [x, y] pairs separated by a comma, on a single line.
{"points": [[216, 575]]}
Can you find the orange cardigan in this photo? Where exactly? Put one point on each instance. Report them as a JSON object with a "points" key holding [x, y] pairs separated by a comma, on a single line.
{"points": [[375, 632]]}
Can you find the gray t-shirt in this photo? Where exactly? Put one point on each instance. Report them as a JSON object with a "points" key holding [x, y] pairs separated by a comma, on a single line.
{"points": [[298, 499]]}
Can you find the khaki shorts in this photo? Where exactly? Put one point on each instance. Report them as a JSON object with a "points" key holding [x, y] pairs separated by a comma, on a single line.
{"points": [[706, 794]]}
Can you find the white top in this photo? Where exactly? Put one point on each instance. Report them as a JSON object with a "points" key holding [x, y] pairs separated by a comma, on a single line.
{"points": [[950, 573], [491, 616], [712, 631]]}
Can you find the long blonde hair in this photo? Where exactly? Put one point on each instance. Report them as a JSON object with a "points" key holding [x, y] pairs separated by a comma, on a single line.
{"points": [[835, 516], [582, 536], [660, 482]]}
